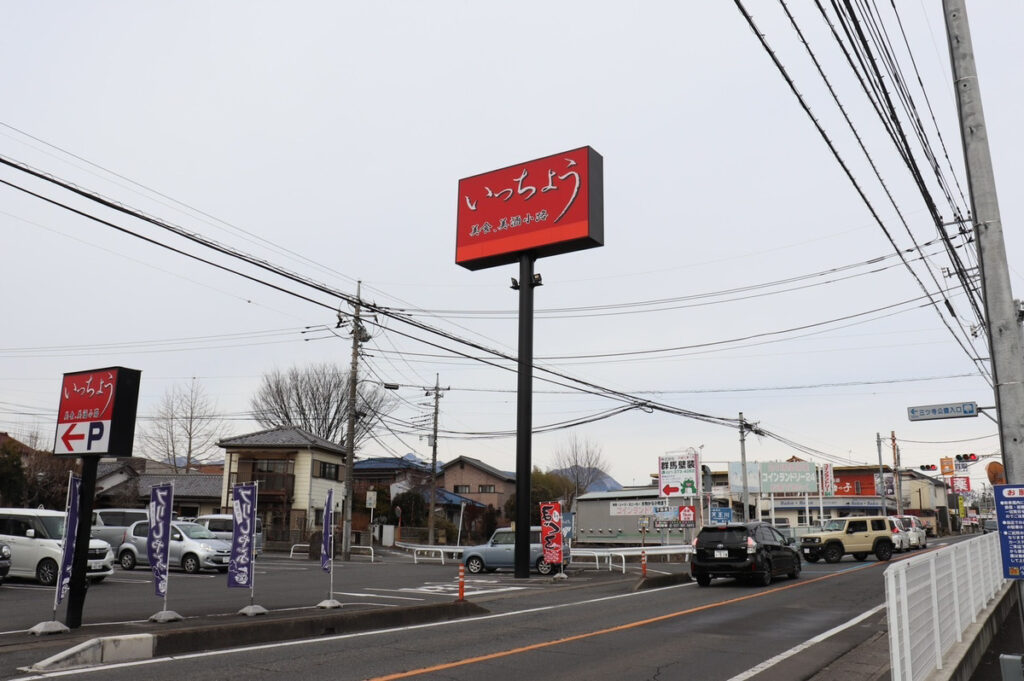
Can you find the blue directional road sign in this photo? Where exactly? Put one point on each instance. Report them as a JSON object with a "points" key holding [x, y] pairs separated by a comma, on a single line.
{"points": [[721, 515], [953, 410]]}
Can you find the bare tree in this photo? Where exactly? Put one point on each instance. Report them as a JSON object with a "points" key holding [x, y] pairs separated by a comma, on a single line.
{"points": [[315, 398], [185, 429], [581, 461]]}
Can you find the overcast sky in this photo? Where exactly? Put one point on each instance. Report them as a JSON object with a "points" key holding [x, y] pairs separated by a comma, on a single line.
{"points": [[329, 138]]}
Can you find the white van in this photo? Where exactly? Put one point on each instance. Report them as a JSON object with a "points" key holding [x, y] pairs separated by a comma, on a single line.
{"points": [[36, 536], [223, 525]]}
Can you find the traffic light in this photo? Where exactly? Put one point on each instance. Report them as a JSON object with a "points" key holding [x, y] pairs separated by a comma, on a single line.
{"points": [[966, 457], [929, 467]]}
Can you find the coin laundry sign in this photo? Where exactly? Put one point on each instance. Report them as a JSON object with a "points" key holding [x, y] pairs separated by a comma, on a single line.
{"points": [[97, 412]]}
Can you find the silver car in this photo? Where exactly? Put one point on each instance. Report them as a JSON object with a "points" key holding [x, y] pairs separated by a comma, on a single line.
{"points": [[192, 547], [499, 553]]}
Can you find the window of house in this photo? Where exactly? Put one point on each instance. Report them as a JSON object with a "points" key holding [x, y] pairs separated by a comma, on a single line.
{"points": [[485, 489], [327, 470], [856, 487], [461, 489]]}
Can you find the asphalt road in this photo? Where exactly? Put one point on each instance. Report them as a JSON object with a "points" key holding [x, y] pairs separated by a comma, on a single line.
{"points": [[591, 626]]}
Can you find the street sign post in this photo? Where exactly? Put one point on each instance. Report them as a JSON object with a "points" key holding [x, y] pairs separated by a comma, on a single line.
{"points": [[952, 410], [721, 515]]}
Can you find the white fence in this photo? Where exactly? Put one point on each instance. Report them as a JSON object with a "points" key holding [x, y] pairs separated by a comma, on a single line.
{"points": [[932, 598]]}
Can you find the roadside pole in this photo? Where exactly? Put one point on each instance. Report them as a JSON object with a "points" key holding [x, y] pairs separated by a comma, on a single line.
{"points": [[743, 466], [1002, 312], [350, 454]]}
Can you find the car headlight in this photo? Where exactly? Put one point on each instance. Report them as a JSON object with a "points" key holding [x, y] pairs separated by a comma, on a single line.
{"points": [[206, 547], [5, 552], [811, 540]]}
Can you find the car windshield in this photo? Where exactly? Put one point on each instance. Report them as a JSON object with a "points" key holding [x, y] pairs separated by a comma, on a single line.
{"points": [[724, 535], [193, 531], [54, 525], [835, 525]]}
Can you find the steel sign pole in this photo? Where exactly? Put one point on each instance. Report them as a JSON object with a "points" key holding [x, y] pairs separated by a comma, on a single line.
{"points": [[743, 464], [524, 417], [76, 597]]}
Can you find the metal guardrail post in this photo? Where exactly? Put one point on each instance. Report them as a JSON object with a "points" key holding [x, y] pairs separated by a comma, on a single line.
{"points": [[934, 589]]}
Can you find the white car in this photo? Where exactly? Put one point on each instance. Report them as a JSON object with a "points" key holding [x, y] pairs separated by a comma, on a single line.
{"points": [[900, 535], [36, 539], [917, 531]]}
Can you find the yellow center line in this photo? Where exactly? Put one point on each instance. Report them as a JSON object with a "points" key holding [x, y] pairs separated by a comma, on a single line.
{"points": [[610, 630]]}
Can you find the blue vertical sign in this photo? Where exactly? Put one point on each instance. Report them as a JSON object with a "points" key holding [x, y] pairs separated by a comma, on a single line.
{"points": [[327, 544], [67, 555], [158, 542], [1010, 515], [243, 505]]}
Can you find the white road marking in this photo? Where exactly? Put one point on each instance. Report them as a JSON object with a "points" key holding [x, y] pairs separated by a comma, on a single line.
{"points": [[400, 598], [771, 662]]}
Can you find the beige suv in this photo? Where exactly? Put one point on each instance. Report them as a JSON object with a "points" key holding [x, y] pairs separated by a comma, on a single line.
{"points": [[858, 536]]}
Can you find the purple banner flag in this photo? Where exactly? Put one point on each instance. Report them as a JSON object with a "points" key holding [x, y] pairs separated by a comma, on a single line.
{"points": [[67, 556], [327, 545], [243, 504], [158, 542]]}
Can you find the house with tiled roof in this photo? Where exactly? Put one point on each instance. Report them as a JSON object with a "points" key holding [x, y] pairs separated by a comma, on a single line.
{"points": [[478, 481], [294, 469]]}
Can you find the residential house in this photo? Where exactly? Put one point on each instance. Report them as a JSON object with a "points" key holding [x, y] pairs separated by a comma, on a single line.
{"points": [[476, 480], [294, 469]]}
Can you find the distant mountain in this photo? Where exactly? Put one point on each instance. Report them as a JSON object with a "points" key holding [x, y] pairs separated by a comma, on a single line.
{"points": [[602, 481]]}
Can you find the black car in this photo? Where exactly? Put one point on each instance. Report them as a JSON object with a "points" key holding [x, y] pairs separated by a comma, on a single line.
{"points": [[5, 561], [754, 551]]}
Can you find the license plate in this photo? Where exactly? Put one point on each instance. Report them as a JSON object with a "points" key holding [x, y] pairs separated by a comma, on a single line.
{"points": [[721, 554], [807, 550], [96, 565]]}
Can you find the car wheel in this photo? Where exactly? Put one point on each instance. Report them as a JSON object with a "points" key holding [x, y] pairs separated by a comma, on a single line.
{"points": [[703, 579], [475, 564], [860, 556], [46, 572], [833, 553], [765, 577], [190, 563], [544, 567], [127, 560], [795, 572], [883, 551]]}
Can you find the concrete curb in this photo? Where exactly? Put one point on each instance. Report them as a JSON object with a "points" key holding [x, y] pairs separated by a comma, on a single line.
{"points": [[135, 647]]}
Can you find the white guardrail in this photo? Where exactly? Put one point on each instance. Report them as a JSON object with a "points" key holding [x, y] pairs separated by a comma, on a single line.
{"points": [[622, 553], [933, 598]]}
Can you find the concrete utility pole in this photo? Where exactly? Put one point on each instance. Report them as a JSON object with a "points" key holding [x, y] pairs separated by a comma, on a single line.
{"points": [[881, 475], [433, 461], [896, 474], [350, 454], [743, 466], [1002, 312]]}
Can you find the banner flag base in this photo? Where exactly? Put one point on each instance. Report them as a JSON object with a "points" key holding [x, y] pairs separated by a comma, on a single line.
{"points": [[166, 616], [328, 604], [48, 627], [253, 610]]}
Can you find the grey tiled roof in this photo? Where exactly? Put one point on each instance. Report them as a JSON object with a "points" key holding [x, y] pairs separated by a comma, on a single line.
{"points": [[192, 485], [282, 437]]}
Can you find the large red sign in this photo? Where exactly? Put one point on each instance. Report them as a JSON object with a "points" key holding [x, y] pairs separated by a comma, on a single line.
{"points": [[551, 531], [97, 412], [548, 206]]}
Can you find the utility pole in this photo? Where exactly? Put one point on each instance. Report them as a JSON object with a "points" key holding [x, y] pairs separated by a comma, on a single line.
{"points": [[433, 461], [881, 475], [1002, 312], [743, 466], [896, 474], [358, 334]]}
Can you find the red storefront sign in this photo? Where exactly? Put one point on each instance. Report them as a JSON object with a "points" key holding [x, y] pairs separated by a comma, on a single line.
{"points": [[548, 206]]}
